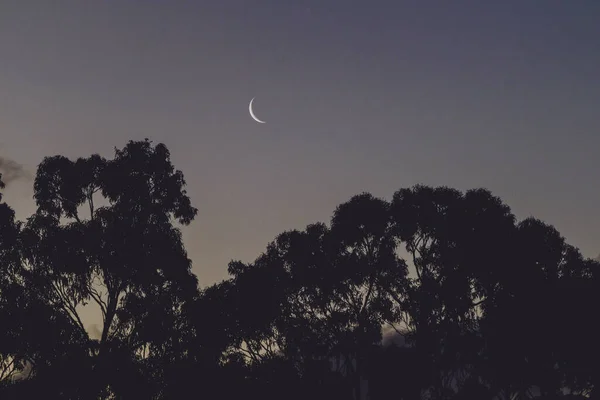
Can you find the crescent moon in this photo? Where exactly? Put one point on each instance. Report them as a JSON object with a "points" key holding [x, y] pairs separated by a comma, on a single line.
{"points": [[252, 113]]}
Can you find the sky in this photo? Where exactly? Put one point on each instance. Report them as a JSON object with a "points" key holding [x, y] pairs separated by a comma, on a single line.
{"points": [[357, 95]]}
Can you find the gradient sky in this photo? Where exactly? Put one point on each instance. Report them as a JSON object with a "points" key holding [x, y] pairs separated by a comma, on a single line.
{"points": [[358, 96]]}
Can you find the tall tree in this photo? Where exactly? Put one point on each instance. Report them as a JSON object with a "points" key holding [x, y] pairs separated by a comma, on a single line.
{"points": [[535, 329], [11, 356], [321, 294], [35, 339], [370, 270], [458, 245], [126, 257]]}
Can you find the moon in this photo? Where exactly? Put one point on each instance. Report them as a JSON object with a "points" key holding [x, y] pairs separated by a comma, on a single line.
{"points": [[252, 113]]}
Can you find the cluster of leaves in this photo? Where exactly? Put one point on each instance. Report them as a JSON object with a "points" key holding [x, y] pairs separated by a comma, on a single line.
{"points": [[486, 306]]}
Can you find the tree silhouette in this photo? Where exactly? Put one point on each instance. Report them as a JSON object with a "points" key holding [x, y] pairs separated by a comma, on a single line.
{"points": [[450, 237], [541, 306], [488, 307], [127, 257], [12, 358]]}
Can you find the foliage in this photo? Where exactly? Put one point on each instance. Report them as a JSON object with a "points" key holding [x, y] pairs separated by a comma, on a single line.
{"points": [[484, 306]]}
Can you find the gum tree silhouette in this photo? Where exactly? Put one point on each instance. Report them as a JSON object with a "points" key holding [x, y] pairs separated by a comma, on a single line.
{"points": [[319, 296], [11, 356], [34, 339], [554, 282], [489, 307], [473, 264], [127, 257], [449, 237]]}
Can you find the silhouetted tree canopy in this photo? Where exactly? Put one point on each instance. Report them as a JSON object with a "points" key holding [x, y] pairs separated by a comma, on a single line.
{"points": [[436, 294]]}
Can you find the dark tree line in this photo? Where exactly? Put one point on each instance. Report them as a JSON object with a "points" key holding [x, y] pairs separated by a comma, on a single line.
{"points": [[480, 305]]}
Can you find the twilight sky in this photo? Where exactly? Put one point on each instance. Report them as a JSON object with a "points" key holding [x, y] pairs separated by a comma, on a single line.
{"points": [[358, 96]]}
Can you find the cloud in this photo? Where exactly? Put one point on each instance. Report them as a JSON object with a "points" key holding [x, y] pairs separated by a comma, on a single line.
{"points": [[12, 171]]}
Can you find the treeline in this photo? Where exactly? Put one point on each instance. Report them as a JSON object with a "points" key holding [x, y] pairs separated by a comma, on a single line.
{"points": [[480, 305]]}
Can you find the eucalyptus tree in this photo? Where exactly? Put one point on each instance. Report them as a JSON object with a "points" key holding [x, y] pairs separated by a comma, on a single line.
{"points": [[459, 250], [12, 359], [493, 305], [319, 295], [538, 334], [105, 234]]}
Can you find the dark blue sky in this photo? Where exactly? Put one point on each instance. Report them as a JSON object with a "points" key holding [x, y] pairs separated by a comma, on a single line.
{"points": [[357, 95]]}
